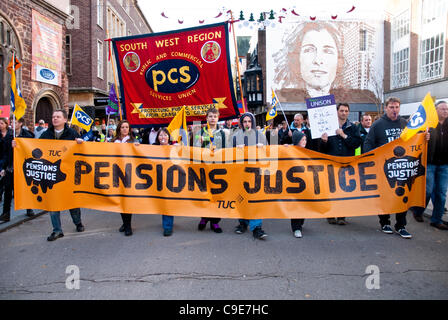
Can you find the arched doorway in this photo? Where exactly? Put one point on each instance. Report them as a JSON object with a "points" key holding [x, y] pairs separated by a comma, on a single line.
{"points": [[44, 110]]}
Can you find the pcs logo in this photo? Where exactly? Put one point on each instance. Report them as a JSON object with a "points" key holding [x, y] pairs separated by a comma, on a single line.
{"points": [[402, 170], [83, 118], [41, 172], [172, 76]]}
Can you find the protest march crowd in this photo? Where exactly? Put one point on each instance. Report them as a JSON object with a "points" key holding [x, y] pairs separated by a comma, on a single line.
{"points": [[349, 140]]}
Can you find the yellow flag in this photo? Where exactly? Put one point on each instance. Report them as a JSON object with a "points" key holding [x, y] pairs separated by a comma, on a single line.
{"points": [[273, 112], [425, 117], [81, 118], [177, 125], [18, 104]]}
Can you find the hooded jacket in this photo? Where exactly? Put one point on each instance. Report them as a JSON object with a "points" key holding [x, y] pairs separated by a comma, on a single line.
{"points": [[382, 131], [249, 137]]}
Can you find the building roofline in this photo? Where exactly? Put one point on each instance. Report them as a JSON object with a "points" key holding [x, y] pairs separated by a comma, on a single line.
{"points": [[142, 15]]}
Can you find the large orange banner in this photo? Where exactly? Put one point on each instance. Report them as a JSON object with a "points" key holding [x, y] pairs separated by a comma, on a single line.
{"points": [[250, 182]]}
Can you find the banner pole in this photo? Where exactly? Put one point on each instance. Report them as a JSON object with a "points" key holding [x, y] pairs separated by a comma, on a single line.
{"points": [[13, 112], [107, 126], [115, 76], [237, 62], [281, 108]]}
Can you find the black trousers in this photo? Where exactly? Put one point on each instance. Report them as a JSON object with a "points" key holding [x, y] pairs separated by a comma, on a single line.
{"points": [[8, 181], [126, 217], [212, 220], [400, 220], [296, 224]]}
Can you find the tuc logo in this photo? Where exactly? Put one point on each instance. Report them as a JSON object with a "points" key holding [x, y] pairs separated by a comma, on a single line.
{"points": [[172, 76], [402, 170], [41, 172]]}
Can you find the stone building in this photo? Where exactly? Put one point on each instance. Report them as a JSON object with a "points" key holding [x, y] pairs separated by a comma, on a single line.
{"points": [[35, 31]]}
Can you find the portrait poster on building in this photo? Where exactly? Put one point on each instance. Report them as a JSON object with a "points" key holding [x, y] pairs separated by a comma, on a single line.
{"points": [[159, 73], [322, 115], [47, 50], [307, 59]]}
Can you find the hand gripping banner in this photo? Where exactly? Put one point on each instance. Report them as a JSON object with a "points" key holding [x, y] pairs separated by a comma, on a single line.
{"points": [[162, 72], [251, 182]]}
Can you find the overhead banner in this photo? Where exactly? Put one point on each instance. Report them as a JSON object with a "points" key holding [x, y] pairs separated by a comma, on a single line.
{"points": [[162, 72], [255, 182]]}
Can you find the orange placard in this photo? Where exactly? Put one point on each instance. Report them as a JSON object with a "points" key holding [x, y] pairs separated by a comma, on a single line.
{"points": [[250, 182]]}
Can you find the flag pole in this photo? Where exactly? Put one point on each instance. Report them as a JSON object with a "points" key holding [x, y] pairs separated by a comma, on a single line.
{"points": [[13, 113], [115, 76], [107, 126], [281, 108], [237, 61]]}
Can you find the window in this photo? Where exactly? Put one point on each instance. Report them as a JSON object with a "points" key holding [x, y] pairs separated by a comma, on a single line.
{"points": [[116, 28], [68, 54], [400, 50], [432, 10], [362, 40], [401, 25], [432, 39], [99, 12], [100, 60], [431, 57], [400, 75]]}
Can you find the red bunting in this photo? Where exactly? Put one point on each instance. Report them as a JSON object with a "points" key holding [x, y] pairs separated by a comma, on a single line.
{"points": [[353, 8]]}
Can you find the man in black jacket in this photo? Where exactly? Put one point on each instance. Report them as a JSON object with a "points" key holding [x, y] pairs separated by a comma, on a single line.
{"points": [[384, 130], [8, 168], [437, 169], [343, 144], [60, 130]]}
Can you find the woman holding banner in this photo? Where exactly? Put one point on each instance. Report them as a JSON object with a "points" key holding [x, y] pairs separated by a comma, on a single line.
{"points": [[125, 135], [163, 138]]}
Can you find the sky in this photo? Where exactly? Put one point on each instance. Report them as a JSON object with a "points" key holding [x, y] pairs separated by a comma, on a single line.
{"points": [[193, 11]]}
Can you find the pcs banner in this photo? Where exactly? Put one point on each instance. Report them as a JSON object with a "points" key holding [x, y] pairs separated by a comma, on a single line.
{"points": [[162, 72], [251, 182]]}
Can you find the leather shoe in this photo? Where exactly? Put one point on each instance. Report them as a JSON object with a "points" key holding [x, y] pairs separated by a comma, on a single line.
{"points": [[167, 232], [202, 224], [439, 226], [216, 228], [121, 228], [79, 227], [53, 236], [332, 221], [128, 231], [4, 218], [418, 218]]}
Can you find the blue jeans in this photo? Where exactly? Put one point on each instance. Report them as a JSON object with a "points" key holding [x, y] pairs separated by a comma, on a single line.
{"points": [[436, 188], [55, 217], [167, 222], [253, 223]]}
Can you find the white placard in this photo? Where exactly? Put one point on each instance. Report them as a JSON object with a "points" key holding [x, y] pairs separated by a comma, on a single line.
{"points": [[323, 116]]}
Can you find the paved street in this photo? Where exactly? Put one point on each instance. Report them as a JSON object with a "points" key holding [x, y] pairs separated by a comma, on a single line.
{"points": [[329, 262]]}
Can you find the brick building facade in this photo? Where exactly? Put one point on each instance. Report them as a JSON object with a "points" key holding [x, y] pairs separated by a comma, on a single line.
{"points": [[16, 34], [89, 71], [415, 51]]}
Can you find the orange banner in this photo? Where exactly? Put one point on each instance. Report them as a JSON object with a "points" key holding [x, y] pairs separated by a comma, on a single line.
{"points": [[251, 182]]}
